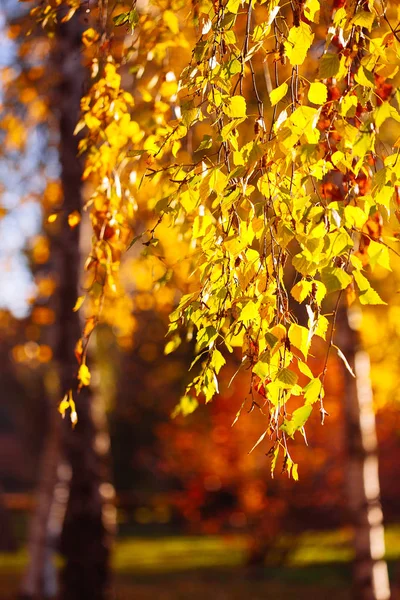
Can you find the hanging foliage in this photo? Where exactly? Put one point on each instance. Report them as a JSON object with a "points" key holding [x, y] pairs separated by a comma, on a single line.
{"points": [[264, 137]]}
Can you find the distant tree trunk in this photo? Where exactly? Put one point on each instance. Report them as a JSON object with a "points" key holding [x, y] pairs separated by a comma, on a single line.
{"points": [[72, 492], [85, 541], [40, 578], [7, 539], [370, 574]]}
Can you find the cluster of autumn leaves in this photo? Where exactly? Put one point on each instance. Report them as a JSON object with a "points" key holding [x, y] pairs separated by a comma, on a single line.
{"points": [[261, 137]]}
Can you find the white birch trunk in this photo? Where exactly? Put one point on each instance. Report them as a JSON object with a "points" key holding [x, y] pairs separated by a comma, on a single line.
{"points": [[370, 574]]}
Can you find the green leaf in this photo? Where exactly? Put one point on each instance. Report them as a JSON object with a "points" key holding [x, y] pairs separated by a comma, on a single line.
{"points": [[186, 406], [131, 17], [121, 19], [271, 339], [329, 65], [190, 113], [205, 144], [205, 336], [364, 19], [367, 295], [262, 370], [278, 93], [299, 418], [348, 105], [334, 279], [286, 377], [313, 391], [364, 78]]}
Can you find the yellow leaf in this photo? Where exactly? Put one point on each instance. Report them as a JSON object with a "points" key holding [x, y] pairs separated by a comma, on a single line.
{"points": [[112, 78], [233, 6], [355, 216], [301, 290], [89, 37], [74, 219], [84, 375], [172, 345], [320, 291], [305, 369], [318, 93], [364, 19], [279, 331], [311, 10], [378, 255], [235, 107], [313, 391], [298, 43], [79, 303], [276, 95], [298, 337], [171, 21], [250, 313], [348, 105], [322, 327], [365, 78], [305, 118], [63, 406]]}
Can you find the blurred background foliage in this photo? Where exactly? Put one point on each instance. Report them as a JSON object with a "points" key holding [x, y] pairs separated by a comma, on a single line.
{"points": [[195, 511]]}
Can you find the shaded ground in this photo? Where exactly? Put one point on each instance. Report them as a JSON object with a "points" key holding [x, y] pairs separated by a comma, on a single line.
{"points": [[221, 584]]}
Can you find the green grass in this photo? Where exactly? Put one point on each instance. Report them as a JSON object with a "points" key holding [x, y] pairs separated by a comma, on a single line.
{"points": [[198, 567], [180, 553]]}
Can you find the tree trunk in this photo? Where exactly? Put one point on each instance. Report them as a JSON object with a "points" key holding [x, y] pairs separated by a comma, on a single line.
{"points": [[85, 541], [71, 490], [7, 539], [370, 574], [40, 578]]}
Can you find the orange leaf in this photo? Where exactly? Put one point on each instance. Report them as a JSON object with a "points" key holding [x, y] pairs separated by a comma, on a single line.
{"points": [[90, 325], [79, 350], [74, 219]]}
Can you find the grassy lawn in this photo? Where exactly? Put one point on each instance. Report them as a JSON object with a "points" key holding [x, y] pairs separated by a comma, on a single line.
{"points": [[195, 568]]}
